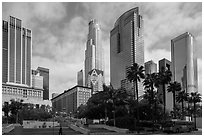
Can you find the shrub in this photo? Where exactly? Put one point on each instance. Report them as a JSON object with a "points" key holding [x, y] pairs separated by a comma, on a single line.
{"points": [[123, 122]]}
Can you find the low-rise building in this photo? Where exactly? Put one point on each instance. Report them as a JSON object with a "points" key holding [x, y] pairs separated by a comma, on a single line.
{"points": [[71, 99], [18, 92]]}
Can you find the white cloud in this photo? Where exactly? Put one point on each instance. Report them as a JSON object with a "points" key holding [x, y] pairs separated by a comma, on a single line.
{"points": [[48, 11]]}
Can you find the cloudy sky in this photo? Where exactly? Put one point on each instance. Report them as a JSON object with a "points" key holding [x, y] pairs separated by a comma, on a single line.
{"points": [[60, 31]]}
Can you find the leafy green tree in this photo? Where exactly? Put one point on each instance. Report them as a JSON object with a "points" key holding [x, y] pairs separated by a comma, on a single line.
{"points": [[181, 97], [194, 98], [15, 106], [81, 111], [164, 78], [134, 74], [174, 87], [6, 110], [107, 103]]}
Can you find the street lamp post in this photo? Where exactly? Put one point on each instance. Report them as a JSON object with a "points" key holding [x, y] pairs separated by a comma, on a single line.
{"points": [[53, 123], [70, 113], [53, 114], [105, 115], [113, 118], [106, 110]]}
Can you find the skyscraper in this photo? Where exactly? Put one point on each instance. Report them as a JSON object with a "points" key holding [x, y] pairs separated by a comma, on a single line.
{"points": [[80, 80], [167, 99], [16, 64], [184, 62], [150, 67], [37, 81], [126, 47], [4, 51], [94, 50], [16, 52], [44, 72]]}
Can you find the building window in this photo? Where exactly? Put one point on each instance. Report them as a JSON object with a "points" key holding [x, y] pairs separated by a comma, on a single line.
{"points": [[167, 66], [25, 93]]}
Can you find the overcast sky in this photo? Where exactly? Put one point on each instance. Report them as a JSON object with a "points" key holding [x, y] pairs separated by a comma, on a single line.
{"points": [[59, 33]]}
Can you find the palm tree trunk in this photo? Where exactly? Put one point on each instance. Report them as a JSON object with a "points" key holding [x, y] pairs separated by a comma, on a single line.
{"points": [[137, 99], [152, 98], [174, 103], [17, 117], [164, 100], [114, 115], [194, 107], [182, 105]]}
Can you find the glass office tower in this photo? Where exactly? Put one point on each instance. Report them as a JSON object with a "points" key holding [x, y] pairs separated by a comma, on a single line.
{"points": [[150, 67], [184, 62], [126, 48]]}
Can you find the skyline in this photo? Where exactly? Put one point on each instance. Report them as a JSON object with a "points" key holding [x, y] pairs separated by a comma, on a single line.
{"points": [[58, 29]]}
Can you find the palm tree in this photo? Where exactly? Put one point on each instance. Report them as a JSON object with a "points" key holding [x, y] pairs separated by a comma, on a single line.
{"points": [[151, 81], [180, 98], [134, 74], [115, 97], [174, 87], [164, 78], [194, 98]]}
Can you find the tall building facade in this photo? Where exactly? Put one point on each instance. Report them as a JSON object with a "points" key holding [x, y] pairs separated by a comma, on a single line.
{"points": [[80, 78], [150, 67], [167, 97], [94, 54], [44, 72], [16, 65], [16, 57], [184, 62], [37, 80], [4, 51], [126, 47]]}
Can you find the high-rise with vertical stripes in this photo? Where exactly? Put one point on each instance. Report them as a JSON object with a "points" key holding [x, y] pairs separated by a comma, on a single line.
{"points": [[126, 47], [16, 57], [16, 65]]}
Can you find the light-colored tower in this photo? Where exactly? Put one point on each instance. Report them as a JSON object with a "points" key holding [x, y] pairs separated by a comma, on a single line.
{"points": [[150, 67], [126, 47], [184, 62], [94, 51]]}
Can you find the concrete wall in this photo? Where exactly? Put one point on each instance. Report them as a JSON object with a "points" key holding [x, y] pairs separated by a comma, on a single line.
{"points": [[199, 122], [80, 129], [39, 124]]}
